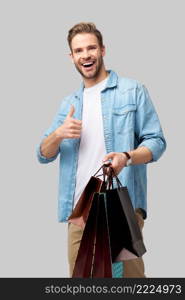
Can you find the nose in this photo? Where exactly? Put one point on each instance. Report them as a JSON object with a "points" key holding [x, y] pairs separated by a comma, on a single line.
{"points": [[86, 54]]}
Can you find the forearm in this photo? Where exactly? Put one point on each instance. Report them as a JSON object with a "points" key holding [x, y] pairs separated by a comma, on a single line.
{"points": [[141, 155], [50, 145]]}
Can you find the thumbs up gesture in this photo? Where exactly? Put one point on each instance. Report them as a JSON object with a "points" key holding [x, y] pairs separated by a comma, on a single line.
{"points": [[71, 112], [71, 128]]}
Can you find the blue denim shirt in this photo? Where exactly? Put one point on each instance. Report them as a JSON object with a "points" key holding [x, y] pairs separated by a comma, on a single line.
{"points": [[129, 121]]}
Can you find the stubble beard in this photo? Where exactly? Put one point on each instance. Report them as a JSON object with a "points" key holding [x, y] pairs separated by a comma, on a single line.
{"points": [[94, 75]]}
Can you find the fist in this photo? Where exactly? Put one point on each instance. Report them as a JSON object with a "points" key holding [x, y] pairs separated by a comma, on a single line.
{"points": [[71, 128], [118, 161]]}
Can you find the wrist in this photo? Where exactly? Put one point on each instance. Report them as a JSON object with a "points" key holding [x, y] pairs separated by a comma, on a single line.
{"points": [[58, 134], [129, 158]]}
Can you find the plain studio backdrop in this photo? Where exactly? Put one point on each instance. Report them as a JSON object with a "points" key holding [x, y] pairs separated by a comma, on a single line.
{"points": [[145, 41]]}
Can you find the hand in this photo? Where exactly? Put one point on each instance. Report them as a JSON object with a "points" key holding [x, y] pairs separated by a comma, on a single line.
{"points": [[118, 161], [71, 128]]}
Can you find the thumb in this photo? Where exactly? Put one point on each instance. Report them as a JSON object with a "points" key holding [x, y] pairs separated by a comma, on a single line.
{"points": [[109, 156], [71, 112]]}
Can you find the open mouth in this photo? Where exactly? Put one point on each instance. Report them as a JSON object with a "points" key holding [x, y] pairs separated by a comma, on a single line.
{"points": [[88, 65]]}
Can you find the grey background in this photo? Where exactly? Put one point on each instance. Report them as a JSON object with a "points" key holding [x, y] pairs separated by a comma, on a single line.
{"points": [[145, 41]]}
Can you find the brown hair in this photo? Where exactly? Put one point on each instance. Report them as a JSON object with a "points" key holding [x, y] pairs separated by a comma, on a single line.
{"points": [[84, 28]]}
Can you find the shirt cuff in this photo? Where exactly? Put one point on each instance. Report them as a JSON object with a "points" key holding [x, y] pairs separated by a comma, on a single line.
{"points": [[42, 159], [157, 147]]}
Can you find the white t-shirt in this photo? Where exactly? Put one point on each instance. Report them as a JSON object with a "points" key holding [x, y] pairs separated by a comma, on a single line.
{"points": [[92, 145]]}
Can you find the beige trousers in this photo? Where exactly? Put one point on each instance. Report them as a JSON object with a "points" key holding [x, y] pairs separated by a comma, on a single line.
{"points": [[133, 268]]}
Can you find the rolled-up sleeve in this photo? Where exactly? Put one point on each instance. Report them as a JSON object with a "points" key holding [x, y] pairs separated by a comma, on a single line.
{"points": [[148, 127], [42, 159]]}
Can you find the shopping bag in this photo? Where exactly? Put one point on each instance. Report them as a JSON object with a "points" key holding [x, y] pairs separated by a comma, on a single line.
{"points": [[81, 211], [124, 230], [111, 226], [94, 256]]}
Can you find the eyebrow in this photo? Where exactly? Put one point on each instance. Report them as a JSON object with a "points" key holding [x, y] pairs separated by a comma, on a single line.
{"points": [[79, 48]]}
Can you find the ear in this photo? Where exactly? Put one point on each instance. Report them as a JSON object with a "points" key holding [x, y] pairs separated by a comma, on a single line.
{"points": [[103, 51], [71, 57]]}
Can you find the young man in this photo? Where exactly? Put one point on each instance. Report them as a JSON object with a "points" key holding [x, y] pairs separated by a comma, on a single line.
{"points": [[107, 116]]}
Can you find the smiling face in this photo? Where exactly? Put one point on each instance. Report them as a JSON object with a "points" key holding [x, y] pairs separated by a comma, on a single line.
{"points": [[87, 55]]}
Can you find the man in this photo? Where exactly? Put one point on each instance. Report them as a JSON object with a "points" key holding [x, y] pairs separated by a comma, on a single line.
{"points": [[108, 118]]}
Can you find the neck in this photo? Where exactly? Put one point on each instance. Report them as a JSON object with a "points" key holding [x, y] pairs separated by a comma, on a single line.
{"points": [[92, 81]]}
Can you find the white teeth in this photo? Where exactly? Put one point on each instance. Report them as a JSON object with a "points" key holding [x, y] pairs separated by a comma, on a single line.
{"points": [[88, 64]]}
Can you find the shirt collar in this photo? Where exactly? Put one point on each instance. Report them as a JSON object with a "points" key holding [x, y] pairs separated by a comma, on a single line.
{"points": [[112, 82]]}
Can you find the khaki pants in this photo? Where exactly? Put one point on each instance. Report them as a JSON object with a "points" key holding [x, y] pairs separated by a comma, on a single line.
{"points": [[133, 268]]}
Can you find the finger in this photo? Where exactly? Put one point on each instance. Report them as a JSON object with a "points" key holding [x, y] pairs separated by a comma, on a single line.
{"points": [[77, 122], [108, 156], [75, 126], [107, 163], [71, 112], [73, 131], [74, 136]]}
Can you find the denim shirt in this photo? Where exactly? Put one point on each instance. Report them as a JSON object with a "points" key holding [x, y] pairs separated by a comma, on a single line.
{"points": [[129, 121]]}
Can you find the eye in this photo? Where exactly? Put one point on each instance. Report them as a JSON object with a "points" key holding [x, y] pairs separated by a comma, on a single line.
{"points": [[92, 47], [78, 50]]}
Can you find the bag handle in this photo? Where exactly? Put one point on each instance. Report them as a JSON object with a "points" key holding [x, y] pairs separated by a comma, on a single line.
{"points": [[105, 181], [110, 176]]}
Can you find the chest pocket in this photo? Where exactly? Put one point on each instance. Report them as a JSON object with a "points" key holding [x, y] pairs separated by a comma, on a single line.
{"points": [[124, 118]]}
